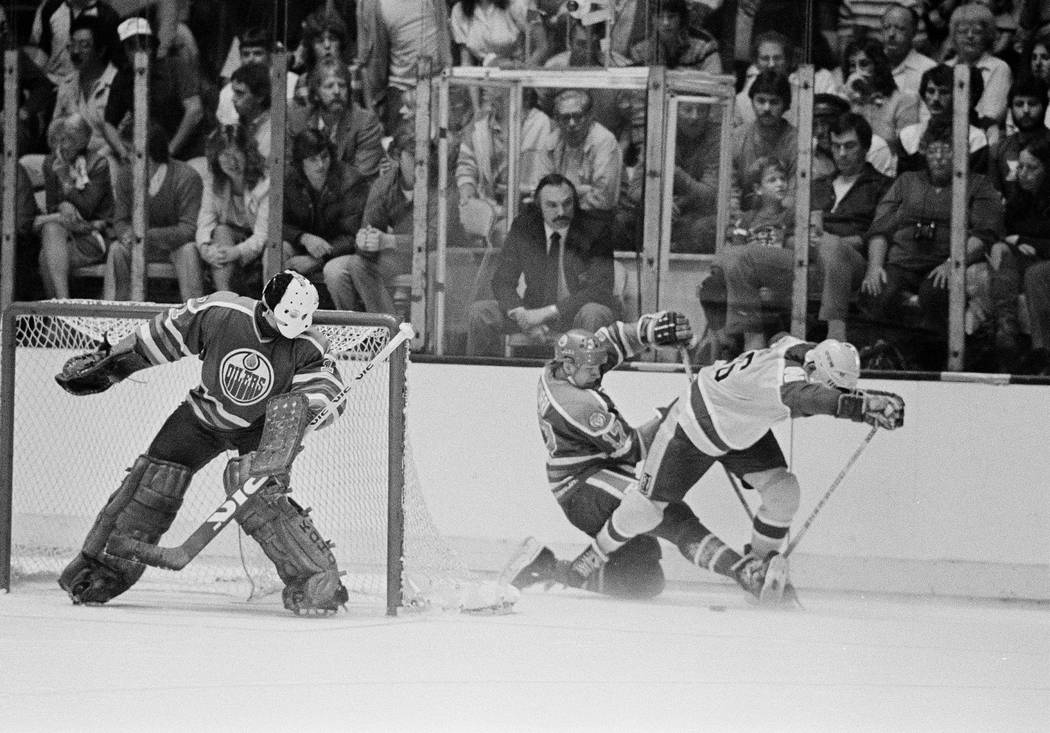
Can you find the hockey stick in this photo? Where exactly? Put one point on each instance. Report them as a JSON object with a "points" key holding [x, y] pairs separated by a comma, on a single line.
{"points": [[176, 558], [729, 474], [827, 494]]}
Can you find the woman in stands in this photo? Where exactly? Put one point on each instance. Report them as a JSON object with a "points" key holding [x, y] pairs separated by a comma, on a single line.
{"points": [[873, 93], [235, 211], [79, 205], [1038, 62], [1025, 253], [497, 33]]}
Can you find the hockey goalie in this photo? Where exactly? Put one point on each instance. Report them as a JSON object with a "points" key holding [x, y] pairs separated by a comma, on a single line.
{"points": [[265, 373]]}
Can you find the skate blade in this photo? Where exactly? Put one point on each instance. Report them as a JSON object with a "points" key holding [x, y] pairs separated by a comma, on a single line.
{"points": [[529, 550], [776, 578]]}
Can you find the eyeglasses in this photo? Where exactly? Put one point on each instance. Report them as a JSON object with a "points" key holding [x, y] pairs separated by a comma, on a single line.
{"points": [[571, 116]]}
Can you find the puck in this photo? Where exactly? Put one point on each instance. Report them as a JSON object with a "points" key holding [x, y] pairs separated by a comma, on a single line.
{"points": [[716, 608]]}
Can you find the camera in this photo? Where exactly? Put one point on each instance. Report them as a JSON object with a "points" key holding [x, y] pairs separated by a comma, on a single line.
{"points": [[925, 231]]}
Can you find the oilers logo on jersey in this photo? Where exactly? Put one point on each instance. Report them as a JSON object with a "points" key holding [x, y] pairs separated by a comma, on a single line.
{"points": [[245, 376]]}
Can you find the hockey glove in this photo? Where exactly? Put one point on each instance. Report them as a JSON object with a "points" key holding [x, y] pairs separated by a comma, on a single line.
{"points": [[664, 328], [882, 409], [96, 371]]}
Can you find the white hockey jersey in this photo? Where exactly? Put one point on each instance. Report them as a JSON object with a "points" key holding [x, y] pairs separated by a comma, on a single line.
{"points": [[734, 403]]}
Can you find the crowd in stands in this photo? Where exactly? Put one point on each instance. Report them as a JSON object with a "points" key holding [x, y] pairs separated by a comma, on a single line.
{"points": [[881, 158]]}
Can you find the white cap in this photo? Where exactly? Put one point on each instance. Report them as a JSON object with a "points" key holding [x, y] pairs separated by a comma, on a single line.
{"points": [[296, 301], [134, 27]]}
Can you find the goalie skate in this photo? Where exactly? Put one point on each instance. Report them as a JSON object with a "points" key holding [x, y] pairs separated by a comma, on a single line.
{"points": [[533, 563]]}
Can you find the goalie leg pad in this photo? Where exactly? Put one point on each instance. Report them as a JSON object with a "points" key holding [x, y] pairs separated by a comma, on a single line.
{"points": [[303, 558], [287, 416], [143, 507]]}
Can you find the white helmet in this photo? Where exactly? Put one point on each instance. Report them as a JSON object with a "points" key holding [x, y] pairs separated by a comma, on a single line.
{"points": [[293, 300], [834, 364]]}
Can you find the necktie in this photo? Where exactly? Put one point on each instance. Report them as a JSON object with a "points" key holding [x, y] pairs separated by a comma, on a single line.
{"points": [[563, 286]]}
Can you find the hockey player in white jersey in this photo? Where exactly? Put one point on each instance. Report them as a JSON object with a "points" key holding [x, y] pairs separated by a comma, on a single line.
{"points": [[593, 454], [726, 416]]}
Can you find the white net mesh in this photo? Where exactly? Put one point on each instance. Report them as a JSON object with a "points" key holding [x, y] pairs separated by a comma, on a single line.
{"points": [[70, 453]]}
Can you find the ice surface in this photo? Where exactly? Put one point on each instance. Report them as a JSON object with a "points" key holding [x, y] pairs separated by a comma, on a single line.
{"points": [[564, 660]]}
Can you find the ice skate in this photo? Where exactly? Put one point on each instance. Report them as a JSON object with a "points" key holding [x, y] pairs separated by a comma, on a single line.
{"points": [[776, 580], [750, 574]]}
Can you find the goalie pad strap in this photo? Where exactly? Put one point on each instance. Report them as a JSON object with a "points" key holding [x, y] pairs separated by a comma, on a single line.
{"points": [[287, 416], [288, 537], [143, 507]]}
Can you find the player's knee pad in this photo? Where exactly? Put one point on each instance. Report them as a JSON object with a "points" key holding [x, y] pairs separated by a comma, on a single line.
{"points": [[633, 571], [143, 507], [636, 514], [780, 494]]}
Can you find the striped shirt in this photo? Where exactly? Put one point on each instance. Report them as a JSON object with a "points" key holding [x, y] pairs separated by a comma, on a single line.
{"points": [[241, 367], [583, 430]]}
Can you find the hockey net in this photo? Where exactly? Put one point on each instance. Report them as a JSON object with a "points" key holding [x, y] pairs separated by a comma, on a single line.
{"points": [[68, 454]]}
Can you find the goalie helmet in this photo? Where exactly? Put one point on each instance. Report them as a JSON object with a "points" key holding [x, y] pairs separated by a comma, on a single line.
{"points": [[292, 299], [834, 364]]}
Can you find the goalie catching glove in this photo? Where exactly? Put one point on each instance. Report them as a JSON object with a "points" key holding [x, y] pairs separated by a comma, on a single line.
{"points": [[664, 328], [882, 409], [96, 371]]}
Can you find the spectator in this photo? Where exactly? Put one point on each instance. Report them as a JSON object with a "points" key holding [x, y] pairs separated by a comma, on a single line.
{"points": [[676, 45], [585, 52], [826, 109], [255, 48], [174, 97], [565, 258], [392, 35], [585, 152], [860, 19], [847, 201], [250, 85], [322, 206], [235, 211], [972, 36], [773, 51], [497, 32], [481, 167], [86, 90], [695, 179], [79, 205], [325, 36], [1038, 62], [873, 93], [28, 284], [937, 92], [50, 36], [1028, 100], [899, 25], [360, 279], [172, 208], [354, 133], [1024, 253], [761, 254], [770, 135], [908, 243]]}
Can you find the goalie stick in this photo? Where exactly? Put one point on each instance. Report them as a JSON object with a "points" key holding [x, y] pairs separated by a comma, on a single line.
{"points": [[176, 558]]}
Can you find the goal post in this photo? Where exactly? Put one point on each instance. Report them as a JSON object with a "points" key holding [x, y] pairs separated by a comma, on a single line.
{"points": [[61, 456]]}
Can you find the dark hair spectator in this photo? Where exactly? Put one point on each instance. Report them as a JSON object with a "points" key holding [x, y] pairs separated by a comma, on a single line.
{"points": [[771, 81], [852, 121], [257, 79], [172, 209]]}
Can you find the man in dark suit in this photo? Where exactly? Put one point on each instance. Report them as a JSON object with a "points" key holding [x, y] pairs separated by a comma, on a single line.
{"points": [[565, 256]]}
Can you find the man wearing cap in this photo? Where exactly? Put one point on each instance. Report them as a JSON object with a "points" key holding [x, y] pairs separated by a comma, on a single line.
{"points": [[174, 96]]}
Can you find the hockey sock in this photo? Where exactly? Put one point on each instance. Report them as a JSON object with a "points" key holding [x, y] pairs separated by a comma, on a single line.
{"points": [[766, 537]]}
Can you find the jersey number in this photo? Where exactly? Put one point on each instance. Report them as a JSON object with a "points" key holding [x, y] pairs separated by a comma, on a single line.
{"points": [[741, 362]]}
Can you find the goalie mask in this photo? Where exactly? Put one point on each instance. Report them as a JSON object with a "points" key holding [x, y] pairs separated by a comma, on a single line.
{"points": [[292, 299], [833, 364]]}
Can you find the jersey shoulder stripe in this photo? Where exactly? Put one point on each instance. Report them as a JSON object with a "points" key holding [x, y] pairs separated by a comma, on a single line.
{"points": [[583, 409]]}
